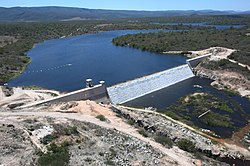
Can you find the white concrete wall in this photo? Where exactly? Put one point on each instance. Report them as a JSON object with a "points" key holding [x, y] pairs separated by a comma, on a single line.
{"points": [[130, 90], [97, 93]]}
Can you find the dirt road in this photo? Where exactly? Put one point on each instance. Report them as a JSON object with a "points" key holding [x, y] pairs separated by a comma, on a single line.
{"points": [[174, 154]]}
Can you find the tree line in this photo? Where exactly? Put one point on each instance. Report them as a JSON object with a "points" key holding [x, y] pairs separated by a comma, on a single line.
{"points": [[185, 41]]}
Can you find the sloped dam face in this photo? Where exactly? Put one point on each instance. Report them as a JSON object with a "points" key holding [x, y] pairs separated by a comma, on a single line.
{"points": [[130, 90]]}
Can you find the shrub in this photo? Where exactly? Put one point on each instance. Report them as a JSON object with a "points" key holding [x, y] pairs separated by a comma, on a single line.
{"points": [[113, 153], [186, 145], [58, 155], [47, 139], [164, 140], [217, 120], [224, 107], [71, 130], [143, 132], [109, 162], [131, 122], [231, 93], [223, 62], [101, 117]]}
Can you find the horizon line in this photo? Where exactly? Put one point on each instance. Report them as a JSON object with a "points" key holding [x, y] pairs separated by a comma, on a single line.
{"points": [[127, 9]]}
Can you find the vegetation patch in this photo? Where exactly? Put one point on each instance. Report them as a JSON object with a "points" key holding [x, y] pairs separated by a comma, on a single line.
{"points": [[216, 120], [61, 130], [205, 109], [231, 93], [186, 145], [164, 140], [71, 130], [109, 162], [131, 122], [101, 117], [225, 64], [204, 102], [189, 40], [57, 155], [48, 138], [143, 132]]}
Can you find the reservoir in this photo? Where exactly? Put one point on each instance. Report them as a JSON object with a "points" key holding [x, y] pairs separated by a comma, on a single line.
{"points": [[65, 64]]}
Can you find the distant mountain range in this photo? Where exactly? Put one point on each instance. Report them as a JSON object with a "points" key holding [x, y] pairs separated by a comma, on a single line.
{"points": [[53, 13]]}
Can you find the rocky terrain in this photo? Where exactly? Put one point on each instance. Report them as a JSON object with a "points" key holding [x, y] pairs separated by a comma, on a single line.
{"points": [[158, 124], [88, 140], [5, 40], [224, 77], [14, 97], [87, 133]]}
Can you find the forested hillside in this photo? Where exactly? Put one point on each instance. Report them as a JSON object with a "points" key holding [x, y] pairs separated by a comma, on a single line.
{"points": [[185, 41]]}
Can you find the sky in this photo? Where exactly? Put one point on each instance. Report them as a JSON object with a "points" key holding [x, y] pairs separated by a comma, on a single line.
{"points": [[238, 5]]}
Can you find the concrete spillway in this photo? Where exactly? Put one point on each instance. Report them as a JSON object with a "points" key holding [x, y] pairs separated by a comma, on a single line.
{"points": [[130, 90]]}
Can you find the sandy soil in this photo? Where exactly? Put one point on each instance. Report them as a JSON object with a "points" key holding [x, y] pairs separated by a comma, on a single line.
{"points": [[1, 94], [87, 112], [232, 80], [90, 110], [218, 53], [25, 96], [102, 25]]}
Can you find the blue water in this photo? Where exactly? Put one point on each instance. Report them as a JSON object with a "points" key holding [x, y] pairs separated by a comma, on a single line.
{"points": [[64, 64], [219, 27]]}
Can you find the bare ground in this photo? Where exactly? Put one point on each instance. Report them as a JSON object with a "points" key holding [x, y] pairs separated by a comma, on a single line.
{"points": [[24, 96], [111, 133], [97, 136], [223, 78], [5, 40]]}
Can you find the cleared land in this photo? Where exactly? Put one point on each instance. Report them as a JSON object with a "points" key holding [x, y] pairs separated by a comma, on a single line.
{"points": [[84, 132]]}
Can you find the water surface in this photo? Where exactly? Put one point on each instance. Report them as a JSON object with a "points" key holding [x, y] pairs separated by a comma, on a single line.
{"points": [[218, 27], [64, 64]]}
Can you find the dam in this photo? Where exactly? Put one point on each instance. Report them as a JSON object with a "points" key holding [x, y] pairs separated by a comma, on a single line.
{"points": [[130, 90], [127, 91]]}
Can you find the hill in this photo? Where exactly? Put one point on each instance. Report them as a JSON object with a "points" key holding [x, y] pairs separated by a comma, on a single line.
{"points": [[52, 13]]}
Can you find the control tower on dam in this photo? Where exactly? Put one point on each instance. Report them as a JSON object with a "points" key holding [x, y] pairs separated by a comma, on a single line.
{"points": [[130, 90]]}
